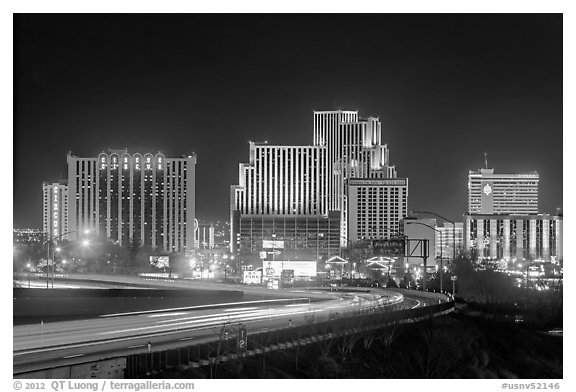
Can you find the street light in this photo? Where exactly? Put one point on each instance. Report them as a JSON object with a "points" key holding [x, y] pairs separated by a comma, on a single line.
{"points": [[447, 220], [441, 255], [58, 249]]}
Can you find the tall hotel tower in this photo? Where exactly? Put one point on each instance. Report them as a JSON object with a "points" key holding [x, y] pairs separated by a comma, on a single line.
{"points": [[282, 195], [133, 198], [55, 210], [490, 193], [302, 191], [355, 152]]}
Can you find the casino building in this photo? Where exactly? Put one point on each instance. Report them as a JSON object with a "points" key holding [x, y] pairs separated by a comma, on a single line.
{"points": [[507, 236], [503, 220], [303, 193], [147, 199]]}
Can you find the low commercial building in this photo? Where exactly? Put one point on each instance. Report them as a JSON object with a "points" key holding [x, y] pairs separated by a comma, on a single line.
{"points": [[503, 236], [301, 235]]}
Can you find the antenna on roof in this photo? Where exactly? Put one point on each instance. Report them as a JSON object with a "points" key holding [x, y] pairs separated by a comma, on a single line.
{"points": [[486, 160]]}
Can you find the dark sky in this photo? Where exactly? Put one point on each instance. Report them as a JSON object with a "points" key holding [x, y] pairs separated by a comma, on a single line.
{"points": [[447, 88]]}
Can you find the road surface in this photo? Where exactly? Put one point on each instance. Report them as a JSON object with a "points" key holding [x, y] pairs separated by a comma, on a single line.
{"points": [[43, 345]]}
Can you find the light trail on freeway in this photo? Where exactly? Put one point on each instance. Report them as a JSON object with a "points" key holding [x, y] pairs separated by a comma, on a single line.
{"points": [[60, 343]]}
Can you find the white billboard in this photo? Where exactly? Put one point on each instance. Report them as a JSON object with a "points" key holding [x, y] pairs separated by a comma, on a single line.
{"points": [[160, 261], [301, 268], [269, 244], [252, 277]]}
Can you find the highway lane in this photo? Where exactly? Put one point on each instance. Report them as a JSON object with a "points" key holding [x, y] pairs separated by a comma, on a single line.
{"points": [[78, 341], [38, 284]]}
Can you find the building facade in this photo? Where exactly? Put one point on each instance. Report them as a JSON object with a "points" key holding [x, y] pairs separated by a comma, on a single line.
{"points": [[55, 210], [376, 207], [449, 236], [491, 193], [300, 235], [143, 199], [282, 180], [506, 237]]}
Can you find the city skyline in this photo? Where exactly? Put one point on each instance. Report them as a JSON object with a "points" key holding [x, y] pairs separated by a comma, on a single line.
{"points": [[499, 94]]}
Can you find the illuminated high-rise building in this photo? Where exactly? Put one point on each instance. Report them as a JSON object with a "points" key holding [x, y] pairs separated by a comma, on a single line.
{"points": [[143, 199], [354, 151], [282, 180], [312, 184], [55, 210], [491, 193], [282, 192]]}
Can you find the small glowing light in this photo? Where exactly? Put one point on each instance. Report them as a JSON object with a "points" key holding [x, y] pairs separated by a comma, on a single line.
{"points": [[58, 249], [85, 243], [64, 261]]}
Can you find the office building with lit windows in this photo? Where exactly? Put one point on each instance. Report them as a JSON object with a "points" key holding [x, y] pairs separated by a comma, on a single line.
{"points": [[143, 199], [492, 193], [55, 210]]}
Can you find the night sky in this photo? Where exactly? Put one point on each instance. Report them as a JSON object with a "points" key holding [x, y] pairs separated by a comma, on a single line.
{"points": [[446, 88]]}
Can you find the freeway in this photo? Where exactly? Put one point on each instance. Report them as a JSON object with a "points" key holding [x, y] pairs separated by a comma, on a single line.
{"points": [[38, 346]]}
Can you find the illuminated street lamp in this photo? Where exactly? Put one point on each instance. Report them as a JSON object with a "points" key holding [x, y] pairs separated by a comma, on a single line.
{"points": [[441, 255], [447, 220], [85, 242]]}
